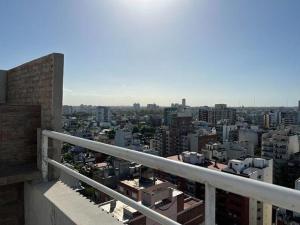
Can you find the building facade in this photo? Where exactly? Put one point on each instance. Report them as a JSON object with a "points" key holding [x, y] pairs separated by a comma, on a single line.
{"points": [[279, 145], [180, 127], [219, 113], [103, 114]]}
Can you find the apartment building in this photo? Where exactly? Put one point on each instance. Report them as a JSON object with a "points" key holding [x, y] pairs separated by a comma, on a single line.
{"points": [[258, 169], [123, 137], [279, 145], [289, 118], [103, 114], [219, 113], [180, 127]]}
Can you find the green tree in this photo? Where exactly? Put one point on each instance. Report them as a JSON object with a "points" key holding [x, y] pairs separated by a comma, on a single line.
{"points": [[135, 130], [68, 157], [111, 134]]}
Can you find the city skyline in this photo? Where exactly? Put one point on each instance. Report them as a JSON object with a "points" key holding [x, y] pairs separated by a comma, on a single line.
{"points": [[121, 52], [194, 106]]}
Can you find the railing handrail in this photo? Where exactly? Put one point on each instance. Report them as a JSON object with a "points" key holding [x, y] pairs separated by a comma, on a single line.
{"points": [[261, 191]]}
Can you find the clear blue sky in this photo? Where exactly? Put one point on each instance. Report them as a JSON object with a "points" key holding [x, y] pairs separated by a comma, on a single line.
{"points": [[118, 52]]}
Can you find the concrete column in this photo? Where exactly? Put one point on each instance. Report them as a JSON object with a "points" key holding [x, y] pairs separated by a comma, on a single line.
{"points": [[210, 204]]}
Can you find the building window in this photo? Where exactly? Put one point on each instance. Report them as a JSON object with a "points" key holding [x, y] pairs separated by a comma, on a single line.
{"points": [[134, 195]]}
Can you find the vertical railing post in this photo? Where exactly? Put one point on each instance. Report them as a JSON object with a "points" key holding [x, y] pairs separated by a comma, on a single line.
{"points": [[210, 204], [44, 158]]}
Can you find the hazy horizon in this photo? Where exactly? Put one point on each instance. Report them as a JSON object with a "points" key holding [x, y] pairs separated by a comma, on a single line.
{"points": [[119, 52], [194, 106]]}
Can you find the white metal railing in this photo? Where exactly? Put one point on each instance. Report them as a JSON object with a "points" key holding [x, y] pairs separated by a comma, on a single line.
{"points": [[261, 191]]}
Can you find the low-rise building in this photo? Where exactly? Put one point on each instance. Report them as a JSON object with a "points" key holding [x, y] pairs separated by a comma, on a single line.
{"points": [[260, 213], [230, 208], [161, 196], [227, 151], [199, 139]]}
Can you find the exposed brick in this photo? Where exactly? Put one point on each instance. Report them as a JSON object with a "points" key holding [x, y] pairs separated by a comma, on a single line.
{"points": [[32, 84], [18, 128], [11, 204]]}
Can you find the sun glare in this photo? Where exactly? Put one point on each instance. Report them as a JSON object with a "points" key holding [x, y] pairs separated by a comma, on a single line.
{"points": [[147, 5]]}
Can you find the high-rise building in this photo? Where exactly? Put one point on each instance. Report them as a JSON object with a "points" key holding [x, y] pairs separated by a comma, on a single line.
{"points": [[279, 145], [161, 140], [289, 118], [168, 112], [152, 106], [136, 106], [183, 102], [271, 119], [220, 113], [103, 114], [180, 126], [203, 114]]}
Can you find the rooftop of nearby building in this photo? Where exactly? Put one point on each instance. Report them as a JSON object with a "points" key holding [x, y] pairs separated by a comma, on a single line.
{"points": [[246, 166], [117, 209], [124, 213], [136, 183], [190, 202], [207, 163]]}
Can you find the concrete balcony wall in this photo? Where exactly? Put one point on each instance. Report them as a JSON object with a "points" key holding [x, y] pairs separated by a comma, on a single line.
{"points": [[55, 203]]}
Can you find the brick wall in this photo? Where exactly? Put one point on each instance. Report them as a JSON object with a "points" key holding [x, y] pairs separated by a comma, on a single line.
{"points": [[40, 82], [140, 220], [33, 99], [192, 216], [2, 86], [12, 204], [18, 142]]}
